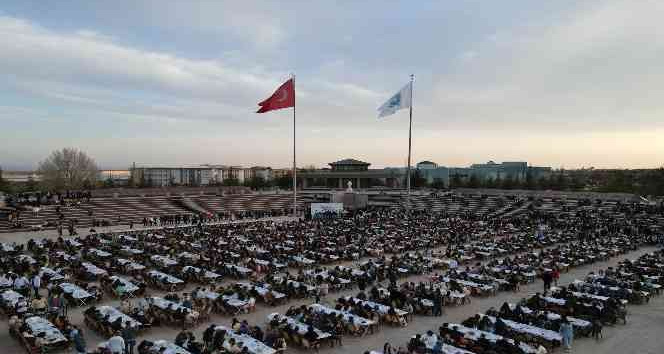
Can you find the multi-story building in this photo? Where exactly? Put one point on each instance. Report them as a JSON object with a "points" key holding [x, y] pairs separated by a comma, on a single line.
{"points": [[264, 173], [517, 171], [427, 165], [282, 172], [200, 175]]}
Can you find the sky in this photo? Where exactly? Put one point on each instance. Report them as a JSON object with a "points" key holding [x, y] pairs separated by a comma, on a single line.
{"points": [[556, 83]]}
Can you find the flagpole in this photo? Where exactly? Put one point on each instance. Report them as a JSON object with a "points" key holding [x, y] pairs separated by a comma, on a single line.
{"points": [[410, 138], [294, 163]]}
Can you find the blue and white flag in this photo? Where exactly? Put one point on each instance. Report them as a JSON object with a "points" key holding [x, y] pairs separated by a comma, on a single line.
{"points": [[400, 100]]}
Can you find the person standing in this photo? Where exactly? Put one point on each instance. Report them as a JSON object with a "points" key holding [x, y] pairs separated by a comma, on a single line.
{"points": [[438, 304], [567, 332], [547, 278], [556, 275], [64, 304], [36, 284], [129, 338], [116, 345], [79, 341]]}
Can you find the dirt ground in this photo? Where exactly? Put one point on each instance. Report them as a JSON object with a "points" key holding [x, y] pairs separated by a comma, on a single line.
{"points": [[642, 334]]}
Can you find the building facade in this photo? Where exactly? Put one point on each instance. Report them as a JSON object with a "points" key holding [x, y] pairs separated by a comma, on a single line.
{"points": [[201, 175], [354, 171], [516, 170]]}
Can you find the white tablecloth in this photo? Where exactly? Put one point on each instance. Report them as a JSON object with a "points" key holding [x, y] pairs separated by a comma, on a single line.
{"points": [[164, 277], [40, 325], [93, 269], [169, 348], [75, 291], [114, 314], [254, 346], [127, 286], [356, 320]]}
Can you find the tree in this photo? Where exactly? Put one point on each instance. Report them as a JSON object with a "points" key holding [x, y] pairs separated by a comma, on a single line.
{"points": [[417, 179], [456, 181], [530, 180], [230, 182], [4, 185], [438, 183], [284, 182], [490, 182], [68, 168], [256, 182], [473, 181], [31, 185], [507, 183], [109, 183]]}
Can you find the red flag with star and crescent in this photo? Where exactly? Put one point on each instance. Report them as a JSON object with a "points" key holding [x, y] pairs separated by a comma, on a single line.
{"points": [[283, 97]]}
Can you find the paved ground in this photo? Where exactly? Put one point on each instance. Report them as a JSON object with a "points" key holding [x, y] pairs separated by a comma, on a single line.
{"points": [[641, 335]]}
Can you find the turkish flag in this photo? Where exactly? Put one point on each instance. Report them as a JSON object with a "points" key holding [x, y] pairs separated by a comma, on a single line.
{"points": [[283, 97]]}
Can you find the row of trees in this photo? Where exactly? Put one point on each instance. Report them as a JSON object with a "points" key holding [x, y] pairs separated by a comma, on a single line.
{"points": [[642, 182]]}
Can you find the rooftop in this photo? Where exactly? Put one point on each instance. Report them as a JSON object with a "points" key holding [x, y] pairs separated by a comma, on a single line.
{"points": [[349, 162]]}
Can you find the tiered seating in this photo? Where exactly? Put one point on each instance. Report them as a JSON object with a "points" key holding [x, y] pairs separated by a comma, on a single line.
{"points": [[134, 209], [455, 205], [248, 202]]}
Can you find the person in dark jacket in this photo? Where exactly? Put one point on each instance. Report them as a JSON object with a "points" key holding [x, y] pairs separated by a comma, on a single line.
{"points": [[129, 337]]}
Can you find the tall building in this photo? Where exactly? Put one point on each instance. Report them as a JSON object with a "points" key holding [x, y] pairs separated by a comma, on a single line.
{"points": [[199, 175], [491, 170], [516, 170]]}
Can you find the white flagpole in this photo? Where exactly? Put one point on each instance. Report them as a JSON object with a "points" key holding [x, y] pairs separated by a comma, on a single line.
{"points": [[294, 163], [410, 131]]}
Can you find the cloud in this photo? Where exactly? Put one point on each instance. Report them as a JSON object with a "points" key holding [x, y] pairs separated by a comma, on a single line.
{"points": [[250, 23], [86, 68], [592, 69], [180, 81]]}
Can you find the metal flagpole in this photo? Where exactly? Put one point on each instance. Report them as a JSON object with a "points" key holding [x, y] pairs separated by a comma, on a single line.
{"points": [[294, 165], [410, 131]]}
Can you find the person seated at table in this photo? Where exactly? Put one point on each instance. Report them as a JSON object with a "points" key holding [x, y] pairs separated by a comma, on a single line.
{"points": [[244, 327], [505, 310], [416, 345], [311, 335], [41, 342], [501, 327], [15, 324], [280, 345], [218, 340], [187, 302], [235, 324], [471, 322], [429, 339], [234, 347], [181, 338], [257, 333], [483, 342], [485, 324], [492, 312], [38, 304], [125, 306], [115, 325]]}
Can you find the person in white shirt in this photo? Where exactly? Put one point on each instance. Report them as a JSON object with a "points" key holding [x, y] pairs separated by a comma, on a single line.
{"points": [[36, 284], [430, 339], [116, 344], [21, 284]]}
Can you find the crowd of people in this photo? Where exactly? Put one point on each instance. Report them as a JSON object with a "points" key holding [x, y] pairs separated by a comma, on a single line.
{"points": [[179, 276]]}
